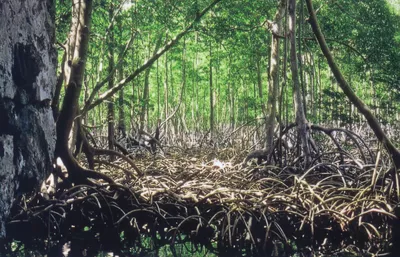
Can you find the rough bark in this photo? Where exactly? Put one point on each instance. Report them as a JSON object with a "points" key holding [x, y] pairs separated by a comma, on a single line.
{"points": [[27, 80], [362, 108]]}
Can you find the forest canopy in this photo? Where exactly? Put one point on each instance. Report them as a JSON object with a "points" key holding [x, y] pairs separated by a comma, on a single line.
{"points": [[232, 42]]}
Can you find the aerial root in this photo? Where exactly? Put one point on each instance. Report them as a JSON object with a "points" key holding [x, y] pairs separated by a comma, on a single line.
{"points": [[218, 206]]}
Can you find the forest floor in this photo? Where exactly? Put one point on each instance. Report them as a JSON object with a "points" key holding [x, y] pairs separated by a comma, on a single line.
{"points": [[344, 202]]}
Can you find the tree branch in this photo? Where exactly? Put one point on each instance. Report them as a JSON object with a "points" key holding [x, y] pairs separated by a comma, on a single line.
{"points": [[110, 92], [362, 108], [121, 57]]}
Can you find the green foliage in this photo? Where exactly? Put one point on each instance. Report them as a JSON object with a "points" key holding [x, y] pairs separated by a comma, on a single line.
{"points": [[364, 38]]}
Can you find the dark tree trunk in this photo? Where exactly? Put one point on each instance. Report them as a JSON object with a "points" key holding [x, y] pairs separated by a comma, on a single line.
{"points": [[27, 79]]}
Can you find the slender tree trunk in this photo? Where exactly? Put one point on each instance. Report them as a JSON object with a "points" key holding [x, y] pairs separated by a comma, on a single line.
{"points": [[166, 98], [110, 105], [120, 75], [312, 86], [121, 111], [135, 60], [246, 104], [231, 96], [145, 98], [331, 99], [260, 87], [183, 118], [233, 105], [301, 60], [320, 96], [196, 84], [193, 102], [174, 119], [218, 89], [273, 84], [211, 96], [158, 93], [284, 94], [297, 96], [283, 103]]}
